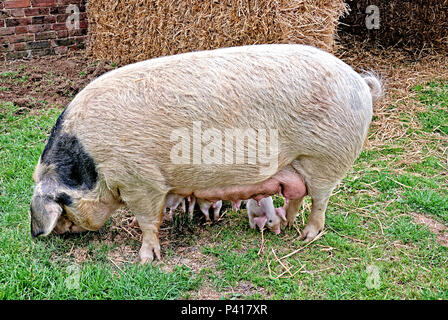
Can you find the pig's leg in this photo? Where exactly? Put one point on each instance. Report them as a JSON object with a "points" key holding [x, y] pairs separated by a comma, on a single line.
{"points": [[148, 209], [150, 244], [291, 211], [316, 219]]}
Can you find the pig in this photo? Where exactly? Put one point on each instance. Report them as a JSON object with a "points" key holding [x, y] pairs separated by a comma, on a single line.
{"points": [[236, 205], [125, 139], [263, 213], [191, 204], [172, 202], [204, 206]]}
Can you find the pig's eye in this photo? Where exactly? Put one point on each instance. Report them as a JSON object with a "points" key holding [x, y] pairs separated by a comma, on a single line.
{"points": [[270, 221]]}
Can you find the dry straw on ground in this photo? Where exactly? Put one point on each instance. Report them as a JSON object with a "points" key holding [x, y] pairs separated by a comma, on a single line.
{"points": [[415, 25], [135, 30], [400, 71]]}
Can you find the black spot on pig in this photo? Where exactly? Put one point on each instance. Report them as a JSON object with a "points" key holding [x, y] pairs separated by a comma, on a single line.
{"points": [[55, 131], [74, 166], [64, 199]]}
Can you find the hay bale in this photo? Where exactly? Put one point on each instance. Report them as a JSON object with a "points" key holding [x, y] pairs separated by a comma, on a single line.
{"points": [[135, 30], [414, 25]]}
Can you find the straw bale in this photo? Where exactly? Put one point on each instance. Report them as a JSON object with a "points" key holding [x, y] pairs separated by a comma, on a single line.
{"points": [[414, 25], [135, 30]]}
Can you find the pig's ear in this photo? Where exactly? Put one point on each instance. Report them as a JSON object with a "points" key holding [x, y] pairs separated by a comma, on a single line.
{"points": [[45, 212], [261, 221], [281, 212]]}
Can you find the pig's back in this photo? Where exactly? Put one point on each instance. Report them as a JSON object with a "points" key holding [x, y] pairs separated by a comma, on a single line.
{"points": [[318, 104]]}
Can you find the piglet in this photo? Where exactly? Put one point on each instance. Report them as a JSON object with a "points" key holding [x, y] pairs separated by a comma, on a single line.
{"points": [[263, 213], [172, 202], [205, 206], [236, 205]]}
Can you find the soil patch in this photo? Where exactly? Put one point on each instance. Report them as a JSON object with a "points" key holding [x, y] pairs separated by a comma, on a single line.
{"points": [[50, 81], [439, 229]]}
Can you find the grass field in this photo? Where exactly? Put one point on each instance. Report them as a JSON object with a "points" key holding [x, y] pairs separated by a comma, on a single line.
{"points": [[386, 233]]}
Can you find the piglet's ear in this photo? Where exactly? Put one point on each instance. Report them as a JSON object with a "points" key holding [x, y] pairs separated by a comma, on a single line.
{"points": [[281, 212], [261, 221]]}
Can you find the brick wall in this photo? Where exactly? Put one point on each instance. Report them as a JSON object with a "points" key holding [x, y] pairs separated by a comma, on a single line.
{"points": [[41, 27]]}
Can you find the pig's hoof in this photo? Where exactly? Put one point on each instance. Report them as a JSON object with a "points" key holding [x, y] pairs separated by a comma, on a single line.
{"points": [[147, 255], [289, 221], [309, 233], [134, 223]]}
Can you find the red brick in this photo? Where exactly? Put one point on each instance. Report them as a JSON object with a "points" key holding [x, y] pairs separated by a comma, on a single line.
{"points": [[37, 11], [5, 14], [39, 28], [57, 10], [21, 38], [37, 45], [42, 52], [43, 19], [9, 4], [50, 19], [60, 50], [21, 29], [45, 35], [14, 22], [78, 32], [62, 17], [43, 3], [6, 31], [18, 12], [67, 2], [19, 46], [5, 46], [17, 55], [4, 41], [59, 26], [62, 33]]}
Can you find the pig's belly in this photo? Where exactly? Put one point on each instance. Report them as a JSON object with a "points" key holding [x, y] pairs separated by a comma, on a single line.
{"points": [[286, 183]]}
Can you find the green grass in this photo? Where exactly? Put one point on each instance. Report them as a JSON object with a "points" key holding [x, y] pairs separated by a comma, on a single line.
{"points": [[41, 269], [372, 247], [435, 96]]}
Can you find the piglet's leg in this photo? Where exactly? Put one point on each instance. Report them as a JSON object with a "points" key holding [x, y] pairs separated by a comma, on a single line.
{"points": [[217, 210], [191, 204], [205, 210]]}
